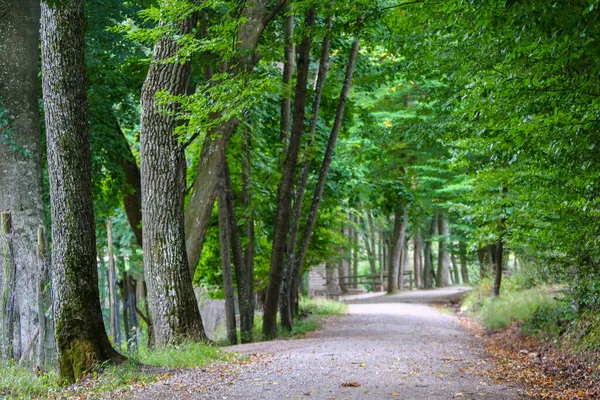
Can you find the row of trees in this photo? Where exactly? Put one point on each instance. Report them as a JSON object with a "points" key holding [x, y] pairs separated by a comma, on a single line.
{"points": [[224, 144]]}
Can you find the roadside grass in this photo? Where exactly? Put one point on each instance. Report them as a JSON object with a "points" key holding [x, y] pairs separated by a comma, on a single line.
{"points": [[142, 367], [313, 311], [538, 311]]}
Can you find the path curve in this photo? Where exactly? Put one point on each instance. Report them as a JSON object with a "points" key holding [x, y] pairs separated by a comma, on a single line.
{"points": [[387, 347]]}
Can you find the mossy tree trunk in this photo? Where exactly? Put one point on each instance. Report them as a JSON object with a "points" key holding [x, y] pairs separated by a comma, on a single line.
{"points": [[21, 191], [173, 305], [81, 338]]}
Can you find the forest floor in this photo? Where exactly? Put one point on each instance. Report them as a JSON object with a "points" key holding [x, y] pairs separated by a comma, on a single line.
{"points": [[385, 347]]}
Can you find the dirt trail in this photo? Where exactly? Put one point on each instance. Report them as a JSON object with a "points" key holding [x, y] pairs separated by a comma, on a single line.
{"points": [[387, 347]]}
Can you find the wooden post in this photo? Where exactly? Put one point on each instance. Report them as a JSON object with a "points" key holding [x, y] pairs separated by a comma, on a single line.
{"points": [[7, 286], [112, 290]]}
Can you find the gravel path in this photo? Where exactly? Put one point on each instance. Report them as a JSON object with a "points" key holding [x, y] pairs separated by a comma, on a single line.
{"points": [[385, 348]]}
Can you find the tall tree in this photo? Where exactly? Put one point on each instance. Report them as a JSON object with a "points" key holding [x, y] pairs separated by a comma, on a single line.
{"points": [[175, 313], [398, 238], [20, 152], [286, 185], [80, 334], [443, 270], [311, 219], [257, 17]]}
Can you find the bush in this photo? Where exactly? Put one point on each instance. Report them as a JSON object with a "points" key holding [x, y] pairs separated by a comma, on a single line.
{"points": [[537, 310]]}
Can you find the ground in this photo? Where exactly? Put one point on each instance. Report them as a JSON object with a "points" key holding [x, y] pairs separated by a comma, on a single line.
{"points": [[386, 347]]}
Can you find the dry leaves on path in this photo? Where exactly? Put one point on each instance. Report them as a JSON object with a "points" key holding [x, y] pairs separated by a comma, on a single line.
{"points": [[350, 384], [546, 372]]}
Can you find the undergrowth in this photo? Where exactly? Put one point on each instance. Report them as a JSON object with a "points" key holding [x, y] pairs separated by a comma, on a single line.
{"points": [[542, 311], [20, 383]]}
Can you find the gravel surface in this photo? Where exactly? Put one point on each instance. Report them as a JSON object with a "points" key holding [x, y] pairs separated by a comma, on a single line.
{"points": [[385, 348]]}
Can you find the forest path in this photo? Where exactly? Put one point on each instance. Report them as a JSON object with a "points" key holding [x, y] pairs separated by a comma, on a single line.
{"points": [[385, 348]]}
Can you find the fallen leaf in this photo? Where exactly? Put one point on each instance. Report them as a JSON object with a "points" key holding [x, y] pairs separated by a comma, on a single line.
{"points": [[351, 384]]}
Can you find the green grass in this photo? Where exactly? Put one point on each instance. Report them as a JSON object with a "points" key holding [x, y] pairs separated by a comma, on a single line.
{"points": [[321, 306], [186, 355], [20, 383], [535, 309]]}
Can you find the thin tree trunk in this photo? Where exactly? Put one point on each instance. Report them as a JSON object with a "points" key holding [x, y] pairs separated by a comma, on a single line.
{"points": [[224, 237], [288, 73], [245, 280], [398, 238], [248, 228], [404, 266], [462, 248], [285, 299], [327, 159], [20, 162], [132, 199], [112, 290], [81, 339], [500, 247], [355, 251], [417, 257], [428, 274], [443, 271], [372, 234], [369, 245], [285, 189], [42, 278]]}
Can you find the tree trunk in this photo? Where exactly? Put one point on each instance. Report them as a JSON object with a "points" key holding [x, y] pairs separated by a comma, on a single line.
{"points": [[462, 248], [245, 279], [398, 238], [428, 274], [443, 271], [327, 159], [115, 326], [247, 336], [285, 189], [201, 202], [224, 237], [372, 234], [369, 245], [355, 251], [81, 339], [132, 200], [498, 266], [404, 266], [417, 257], [285, 299], [20, 150], [288, 73], [173, 304]]}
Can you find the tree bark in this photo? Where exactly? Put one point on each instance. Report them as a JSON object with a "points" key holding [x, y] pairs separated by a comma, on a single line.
{"points": [[369, 246], [285, 299], [443, 271], [173, 304], [285, 189], [372, 234], [288, 73], [81, 339], [462, 248], [244, 277], [428, 273], [248, 330], [498, 262], [224, 241], [326, 164], [417, 257], [20, 150], [115, 326], [132, 201], [398, 239]]}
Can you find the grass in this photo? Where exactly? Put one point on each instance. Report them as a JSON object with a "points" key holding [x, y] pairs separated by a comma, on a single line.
{"points": [[534, 310], [313, 311], [20, 383]]}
